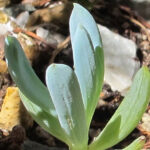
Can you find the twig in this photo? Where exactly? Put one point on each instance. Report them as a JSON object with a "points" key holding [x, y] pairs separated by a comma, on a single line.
{"points": [[59, 48], [138, 23], [40, 2], [33, 35], [132, 13], [147, 133]]}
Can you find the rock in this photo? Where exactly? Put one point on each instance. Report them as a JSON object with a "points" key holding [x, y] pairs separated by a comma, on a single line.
{"points": [[46, 35], [120, 63], [30, 145], [15, 10], [13, 112], [22, 19], [29, 46], [8, 25], [58, 14], [5, 24], [4, 3], [145, 125], [49, 36], [3, 66]]}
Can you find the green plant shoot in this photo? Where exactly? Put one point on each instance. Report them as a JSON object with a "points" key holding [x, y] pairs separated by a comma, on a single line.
{"points": [[66, 106]]}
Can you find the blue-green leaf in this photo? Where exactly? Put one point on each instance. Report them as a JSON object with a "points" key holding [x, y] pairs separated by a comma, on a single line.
{"points": [[65, 92], [88, 57], [44, 119], [81, 16], [24, 76], [130, 112]]}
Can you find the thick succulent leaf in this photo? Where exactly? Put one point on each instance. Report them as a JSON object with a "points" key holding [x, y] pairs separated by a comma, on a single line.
{"points": [[64, 89], [88, 57], [112, 130], [89, 68], [44, 119], [24, 76], [81, 16], [137, 144], [130, 111]]}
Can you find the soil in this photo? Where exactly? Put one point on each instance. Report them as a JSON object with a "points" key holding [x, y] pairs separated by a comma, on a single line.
{"points": [[117, 16]]}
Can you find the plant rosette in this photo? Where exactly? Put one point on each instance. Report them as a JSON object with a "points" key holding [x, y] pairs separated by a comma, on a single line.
{"points": [[66, 106]]}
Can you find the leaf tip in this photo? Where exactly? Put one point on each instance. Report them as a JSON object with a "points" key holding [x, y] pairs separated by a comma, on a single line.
{"points": [[9, 40], [75, 4]]}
